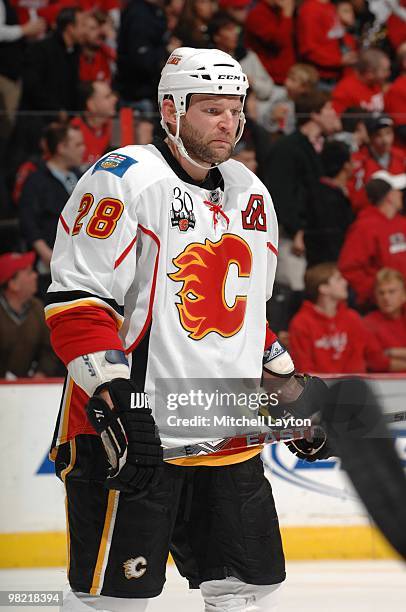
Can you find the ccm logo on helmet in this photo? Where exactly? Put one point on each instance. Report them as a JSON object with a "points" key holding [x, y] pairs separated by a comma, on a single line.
{"points": [[230, 77]]}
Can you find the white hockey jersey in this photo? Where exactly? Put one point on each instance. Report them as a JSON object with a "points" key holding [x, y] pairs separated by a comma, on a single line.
{"points": [[186, 267]]}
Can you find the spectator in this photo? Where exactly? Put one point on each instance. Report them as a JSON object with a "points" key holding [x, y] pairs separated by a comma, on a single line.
{"points": [[354, 132], [396, 23], [141, 53], [192, 29], [46, 192], [50, 81], [321, 38], [224, 33], [256, 137], [98, 103], [380, 154], [330, 210], [348, 42], [237, 10], [52, 67], [365, 87], [388, 323], [25, 349], [96, 58], [294, 170], [47, 10], [269, 32], [278, 114], [326, 336], [395, 99], [12, 43], [110, 8], [377, 239], [244, 152], [173, 11]]}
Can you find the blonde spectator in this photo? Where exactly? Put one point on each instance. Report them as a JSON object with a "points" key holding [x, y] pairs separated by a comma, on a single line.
{"points": [[277, 114], [388, 323]]}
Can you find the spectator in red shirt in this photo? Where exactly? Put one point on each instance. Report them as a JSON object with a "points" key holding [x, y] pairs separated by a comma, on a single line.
{"points": [[395, 99], [396, 24], [45, 9], [320, 36], [99, 105], [96, 58], [325, 335], [388, 324], [269, 32], [377, 239], [380, 154], [364, 87]]}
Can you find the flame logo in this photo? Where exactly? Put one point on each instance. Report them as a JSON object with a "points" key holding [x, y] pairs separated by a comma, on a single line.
{"points": [[203, 271]]}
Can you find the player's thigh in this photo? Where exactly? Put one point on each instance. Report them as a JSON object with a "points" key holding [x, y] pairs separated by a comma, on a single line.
{"points": [[230, 528], [118, 542]]}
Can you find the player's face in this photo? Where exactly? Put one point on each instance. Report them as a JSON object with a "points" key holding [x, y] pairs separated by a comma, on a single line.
{"points": [[390, 297], [209, 128]]}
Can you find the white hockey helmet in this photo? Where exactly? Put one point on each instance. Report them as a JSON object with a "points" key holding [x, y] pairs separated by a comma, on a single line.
{"points": [[206, 71]]}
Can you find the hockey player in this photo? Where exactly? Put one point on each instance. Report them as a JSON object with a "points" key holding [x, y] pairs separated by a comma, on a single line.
{"points": [[179, 242]]}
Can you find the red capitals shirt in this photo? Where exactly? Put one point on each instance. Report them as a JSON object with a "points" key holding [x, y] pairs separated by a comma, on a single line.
{"points": [[338, 344], [390, 333], [270, 35], [97, 141], [319, 33], [364, 166], [351, 91], [373, 242]]}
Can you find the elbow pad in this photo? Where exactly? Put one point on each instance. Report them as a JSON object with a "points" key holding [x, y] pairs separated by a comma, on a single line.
{"points": [[92, 370]]}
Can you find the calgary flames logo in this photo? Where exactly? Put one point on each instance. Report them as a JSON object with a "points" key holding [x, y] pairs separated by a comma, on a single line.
{"points": [[203, 269]]}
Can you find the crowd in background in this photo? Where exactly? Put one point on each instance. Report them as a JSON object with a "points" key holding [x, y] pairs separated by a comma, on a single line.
{"points": [[325, 132]]}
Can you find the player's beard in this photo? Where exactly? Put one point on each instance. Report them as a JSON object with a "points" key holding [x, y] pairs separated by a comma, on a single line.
{"points": [[199, 149]]}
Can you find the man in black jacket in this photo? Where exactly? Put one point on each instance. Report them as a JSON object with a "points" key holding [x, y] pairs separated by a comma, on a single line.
{"points": [[46, 192], [329, 212], [141, 52], [51, 70], [50, 82], [293, 171]]}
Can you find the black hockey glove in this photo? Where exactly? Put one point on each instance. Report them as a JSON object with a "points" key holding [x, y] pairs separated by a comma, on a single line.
{"points": [[311, 449], [129, 436]]}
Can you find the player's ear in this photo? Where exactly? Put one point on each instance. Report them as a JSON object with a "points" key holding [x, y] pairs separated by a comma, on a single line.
{"points": [[169, 111]]}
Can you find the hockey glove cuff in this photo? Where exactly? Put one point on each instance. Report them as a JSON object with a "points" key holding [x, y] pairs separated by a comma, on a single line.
{"points": [[129, 436]]}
